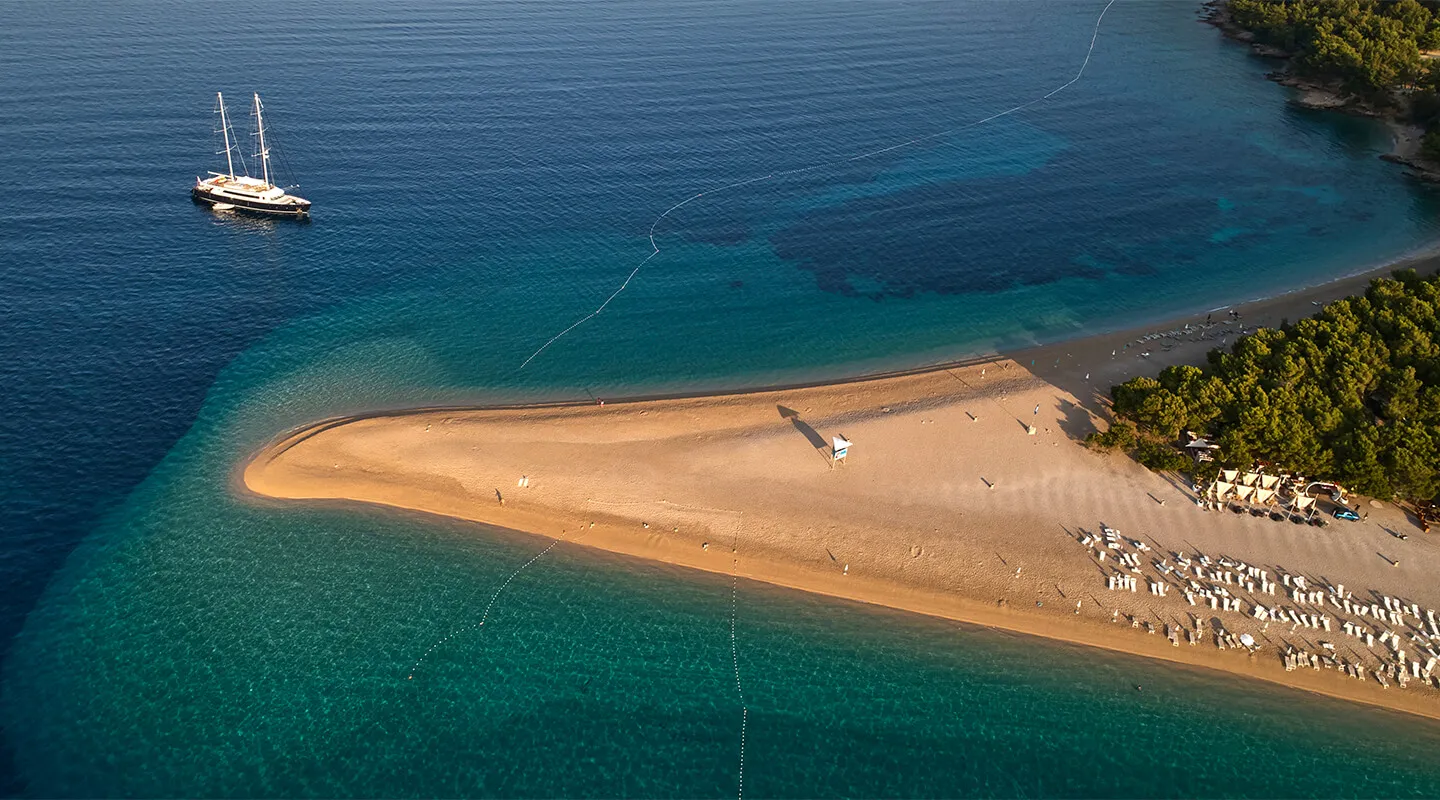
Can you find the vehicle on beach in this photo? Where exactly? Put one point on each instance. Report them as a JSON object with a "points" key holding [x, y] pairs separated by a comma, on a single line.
{"points": [[1345, 513], [227, 191], [1334, 491]]}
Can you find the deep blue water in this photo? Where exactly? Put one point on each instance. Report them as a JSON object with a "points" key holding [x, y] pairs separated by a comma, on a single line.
{"points": [[486, 173]]}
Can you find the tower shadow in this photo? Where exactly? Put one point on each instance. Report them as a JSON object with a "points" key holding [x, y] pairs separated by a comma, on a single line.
{"points": [[804, 427]]}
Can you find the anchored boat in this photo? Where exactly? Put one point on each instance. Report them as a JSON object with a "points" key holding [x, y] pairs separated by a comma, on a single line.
{"points": [[227, 190]]}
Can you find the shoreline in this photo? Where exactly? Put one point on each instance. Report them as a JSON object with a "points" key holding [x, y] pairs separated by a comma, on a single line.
{"points": [[1289, 304], [1191, 347], [1405, 146], [966, 611], [391, 459]]}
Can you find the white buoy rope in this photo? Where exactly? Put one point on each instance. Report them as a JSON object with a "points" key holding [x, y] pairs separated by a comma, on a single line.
{"points": [[735, 660], [474, 626], [655, 248]]}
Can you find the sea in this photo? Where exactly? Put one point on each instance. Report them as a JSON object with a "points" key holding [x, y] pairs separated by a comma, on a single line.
{"points": [[862, 185]]}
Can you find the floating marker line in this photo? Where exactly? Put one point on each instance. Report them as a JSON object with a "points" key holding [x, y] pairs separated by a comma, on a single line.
{"points": [[484, 616], [655, 249], [735, 659]]}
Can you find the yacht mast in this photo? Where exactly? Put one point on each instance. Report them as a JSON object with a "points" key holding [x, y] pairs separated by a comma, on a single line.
{"points": [[260, 131], [225, 130]]}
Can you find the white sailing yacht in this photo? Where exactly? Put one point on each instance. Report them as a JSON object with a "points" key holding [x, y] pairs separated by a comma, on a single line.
{"points": [[226, 191]]}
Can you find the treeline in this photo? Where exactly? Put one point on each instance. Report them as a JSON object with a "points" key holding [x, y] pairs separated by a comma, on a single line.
{"points": [[1373, 49], [1351, 394]]}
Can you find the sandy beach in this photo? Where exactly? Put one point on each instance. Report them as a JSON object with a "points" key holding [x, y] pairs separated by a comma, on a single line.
{"points": [[947, 503]]}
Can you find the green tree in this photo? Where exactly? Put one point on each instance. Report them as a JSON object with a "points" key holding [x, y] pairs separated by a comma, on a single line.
{"points": [[1119, 436], [1130, 395], [1371, 48], [1352, 393], [1163, 413], [1159, 457]]}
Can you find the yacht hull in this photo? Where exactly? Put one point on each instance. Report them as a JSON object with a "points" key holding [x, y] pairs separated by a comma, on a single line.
{"points": [[207, 196]]}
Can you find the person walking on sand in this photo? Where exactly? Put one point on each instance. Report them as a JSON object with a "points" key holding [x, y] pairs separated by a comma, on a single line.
{"points": [[1037, 409]]}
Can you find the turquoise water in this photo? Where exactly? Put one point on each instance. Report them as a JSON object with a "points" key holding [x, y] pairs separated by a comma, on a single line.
{"points": [[486, 174]]}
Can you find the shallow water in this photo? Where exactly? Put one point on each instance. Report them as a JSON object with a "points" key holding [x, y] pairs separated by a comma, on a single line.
{"points": [[486, 174]]}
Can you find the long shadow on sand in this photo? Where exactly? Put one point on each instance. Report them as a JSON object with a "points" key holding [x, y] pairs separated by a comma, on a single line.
{"points": [[1091, 399], [1075, 421], [801, 425]]}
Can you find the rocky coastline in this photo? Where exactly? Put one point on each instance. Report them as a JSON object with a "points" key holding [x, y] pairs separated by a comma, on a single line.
{"points": [[1323, 95]]}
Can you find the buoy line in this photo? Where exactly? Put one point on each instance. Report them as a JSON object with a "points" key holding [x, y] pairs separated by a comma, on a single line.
{"points": [[625, 284], [484, 616], [655, 248], [735, 660], [655, 251]]}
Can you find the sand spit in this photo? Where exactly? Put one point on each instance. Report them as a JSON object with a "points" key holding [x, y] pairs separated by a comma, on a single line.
{"points": [[967, 495]]}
